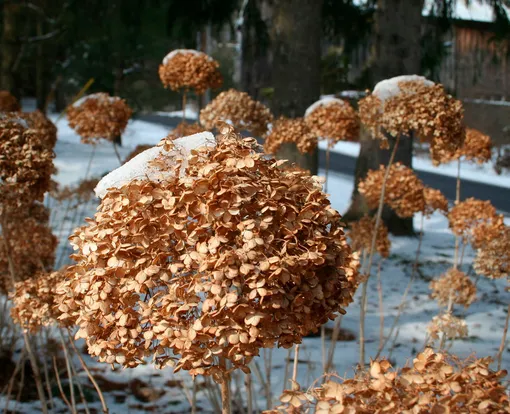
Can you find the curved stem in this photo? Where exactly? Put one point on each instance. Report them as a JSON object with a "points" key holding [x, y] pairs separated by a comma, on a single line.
{"points": [[328, 156], [457, 199], [184, 106], [36, 372], [296, 360], [225, 388], [69, 372], [503, 339], [117, 153]]}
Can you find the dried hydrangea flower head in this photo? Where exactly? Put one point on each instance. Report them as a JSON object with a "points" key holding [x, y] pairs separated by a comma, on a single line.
{"points": [[449, 325], [34, 301], [232, 255], [333, 119], [290, 130], [404, 190], [406, 104], [493, 259], [38, 121], [454, 283], [486, 231], [361, 233], [434, 201], [183, 129], [188, 69], [8, 103], [30, 242], [26, 162], [238, 109], [434, 383], [468, 214], [477, 147], [99, 116]]}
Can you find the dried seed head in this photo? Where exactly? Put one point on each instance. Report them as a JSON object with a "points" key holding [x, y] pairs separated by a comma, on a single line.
{"points": [[238, 109], [8, 103], [361, 233], [434, 201], [99, 116], [334, 120], [234, 255], [189, 69], [286, 130], [469, 214], [449, 325], [404, 191], [477, 147], [493, 259], [454, 283]]}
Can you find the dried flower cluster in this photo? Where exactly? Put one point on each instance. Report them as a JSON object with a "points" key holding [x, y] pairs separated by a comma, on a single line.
{"points": [[434, 201], [468, 214], [8, 103], [447, 324], [487, 230], [435, 383], [238, 109], [233, 255], [26, 162], [454, 283], [83, 192], [361, 233], [404, 191], [99, 116], [34, 301], [493, 259], [422, 108], [335, 120], [476, 147], [46, 129], [190, 70], [183, 130], [286, 130]]}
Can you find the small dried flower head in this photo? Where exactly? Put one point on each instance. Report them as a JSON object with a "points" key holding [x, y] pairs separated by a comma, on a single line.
{"points": [[46, 129], [413, 104], [34, 301], [468, 214], [361, 234], [183, 130], [99, 116], [26, 162], [487, 230], [189, 69], [226, 256], [493, 259], [477, 147], [449, 325], [333, 119], [456, 284], [434, 201], [287, 130], [404, 191], [434, 383], [238, 109], [8, 103]]}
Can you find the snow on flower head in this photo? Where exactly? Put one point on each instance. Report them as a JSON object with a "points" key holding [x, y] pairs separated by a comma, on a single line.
{"points": [[324, 101], [389, 88]]}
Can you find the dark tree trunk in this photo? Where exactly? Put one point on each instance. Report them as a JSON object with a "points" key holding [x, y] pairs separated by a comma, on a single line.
{"points": [[117, 88], [397, 52], [295, 43], [9, 47], [40, 80]]}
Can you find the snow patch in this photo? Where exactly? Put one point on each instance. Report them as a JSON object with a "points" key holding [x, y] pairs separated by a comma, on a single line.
{"points": [[390, 88], [140, 166], [99, 95], [184, 52], [326, 100]]}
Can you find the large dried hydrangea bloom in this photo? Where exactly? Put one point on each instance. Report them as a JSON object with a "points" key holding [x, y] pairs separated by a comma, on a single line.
{"points": [[333, 119], [287, 130], [486, 231], [183, 129], [468, 214], [404, 191], [34, 301], [8, 103], [435, 383], [454, 283], [229, 255], [189, 69], [47, 129], [26, 162], [449, 325], [361, 233], [99, 116], [493, 259], [477, 147], [434, 201], [238, 109], [406, 104]]}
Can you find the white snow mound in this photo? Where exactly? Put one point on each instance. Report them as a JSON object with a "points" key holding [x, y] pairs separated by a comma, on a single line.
{"points": [[182, 51], [100, 95], [389, 88], [324, 101], [140, 166]]}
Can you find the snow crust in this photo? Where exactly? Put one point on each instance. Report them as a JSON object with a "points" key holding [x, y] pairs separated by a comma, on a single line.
{"points": [[183, 51], [324, 101], [390, 88], [95, 96], [140, 167]]}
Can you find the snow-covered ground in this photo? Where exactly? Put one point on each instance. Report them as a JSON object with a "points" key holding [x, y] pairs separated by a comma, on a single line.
{"points": [[485, 318]]}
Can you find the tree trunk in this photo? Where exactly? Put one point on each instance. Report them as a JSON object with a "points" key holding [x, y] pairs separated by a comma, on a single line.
{"points": [[295, 43], [40, 81], [117, 88], [397, 52], [9, 47]]}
